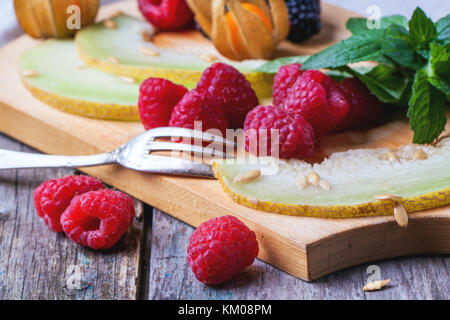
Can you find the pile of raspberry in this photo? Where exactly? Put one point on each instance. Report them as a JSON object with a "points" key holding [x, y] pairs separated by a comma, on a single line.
{"points": [[89, 214], [307, 105], [221, 100]]}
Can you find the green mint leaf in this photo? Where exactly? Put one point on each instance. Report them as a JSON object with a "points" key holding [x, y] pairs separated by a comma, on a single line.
{"points": [[438, 68], [421, 29], [443, 29], [389, 85], [359, 47], [426, 110], [274, 65], [359, 25], [397, 46]]}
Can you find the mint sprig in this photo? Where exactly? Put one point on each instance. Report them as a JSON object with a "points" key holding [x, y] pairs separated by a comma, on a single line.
{"points": [[413, 66]]}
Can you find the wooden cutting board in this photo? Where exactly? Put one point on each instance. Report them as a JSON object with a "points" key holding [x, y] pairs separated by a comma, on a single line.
{"points": [[307, 248]]}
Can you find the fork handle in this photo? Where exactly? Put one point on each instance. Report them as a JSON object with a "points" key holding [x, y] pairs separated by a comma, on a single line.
{"points": [[21, 160]]}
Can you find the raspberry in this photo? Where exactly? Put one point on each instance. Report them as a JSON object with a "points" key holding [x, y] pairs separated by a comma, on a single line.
{"points": [[220, 248], [318, 99], [167, 14], [98, 219], [365, 108], [295, 135], [235, 94], [157, 97], [52, 197], [196, 106], [284, 79]]}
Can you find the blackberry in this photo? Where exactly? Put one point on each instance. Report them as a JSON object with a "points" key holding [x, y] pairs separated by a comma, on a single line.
{"points": [[304, 17]]}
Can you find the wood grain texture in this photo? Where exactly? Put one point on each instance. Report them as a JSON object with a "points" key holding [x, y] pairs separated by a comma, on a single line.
{"points": [[37, 263], [171, 278], [305, 247]]}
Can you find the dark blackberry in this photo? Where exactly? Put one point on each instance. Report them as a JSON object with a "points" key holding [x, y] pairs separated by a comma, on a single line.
{"points": [[304, 17]]}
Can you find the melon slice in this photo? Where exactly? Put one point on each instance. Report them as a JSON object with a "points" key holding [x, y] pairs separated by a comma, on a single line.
{"points": [[351, 181], [124, 50], [55, 74]]}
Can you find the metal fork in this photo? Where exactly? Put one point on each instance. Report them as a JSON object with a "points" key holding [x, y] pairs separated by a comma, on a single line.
{"points": [[135, 154]]}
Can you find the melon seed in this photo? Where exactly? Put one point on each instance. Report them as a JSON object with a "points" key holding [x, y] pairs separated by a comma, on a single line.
{"points": [[146, 36], [128, 79], [208, 57], [313, 178], [387, 197], [324, 185], [420, 155], [109, 24], [376, 285], [30, 73], [149, 52], [114, 60], [391, 156], [302, 182], [400, 215], [247, 176]]}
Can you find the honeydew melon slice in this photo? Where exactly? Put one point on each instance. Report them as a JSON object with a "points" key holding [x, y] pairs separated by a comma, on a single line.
{"points": [[355, 177], [55, 74], [119, 50]]}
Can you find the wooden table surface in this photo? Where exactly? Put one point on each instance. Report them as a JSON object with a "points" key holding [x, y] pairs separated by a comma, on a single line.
{"points": [[150, 261]]}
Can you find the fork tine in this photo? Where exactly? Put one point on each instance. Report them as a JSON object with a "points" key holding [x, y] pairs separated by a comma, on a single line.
{"points": [[169, 146], [168, 132]]}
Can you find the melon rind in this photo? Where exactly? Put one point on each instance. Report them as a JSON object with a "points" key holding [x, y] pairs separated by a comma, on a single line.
{"points": [[66, 84], [355, 176], [97, 44]]}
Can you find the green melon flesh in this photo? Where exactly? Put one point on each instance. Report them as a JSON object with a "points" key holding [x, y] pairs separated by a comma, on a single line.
{"points": [[355, 177], [125, 41], [58, 64]]}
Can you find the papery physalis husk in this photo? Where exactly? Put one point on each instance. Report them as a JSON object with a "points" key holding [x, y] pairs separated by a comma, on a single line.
{"points": [[254, 39]]}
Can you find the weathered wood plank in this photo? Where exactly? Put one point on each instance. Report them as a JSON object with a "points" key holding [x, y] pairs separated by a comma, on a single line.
{"points": [[171, 278], [36, 263]]}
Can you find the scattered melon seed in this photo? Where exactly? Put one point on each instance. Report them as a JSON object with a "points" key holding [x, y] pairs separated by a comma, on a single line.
{"points": [[109, 24], [116, 14], [128, 79], [420, 155], [387, 197], [376, 285], [208, 57], [391, 156], [314, 178], [324, 185], [146, 36], [30, 73], [400, 215], [149, 52], [302, 182], [114, 60], [247, 176]]}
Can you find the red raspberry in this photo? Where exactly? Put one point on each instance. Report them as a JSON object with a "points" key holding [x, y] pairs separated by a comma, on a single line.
{"points": [[318, 99], [365, 108], [220, 248], [233, 90], [157, 98], [196, 106], [98, 219], [295, 136], [52, 197], [284, 79], [167, 14]]}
